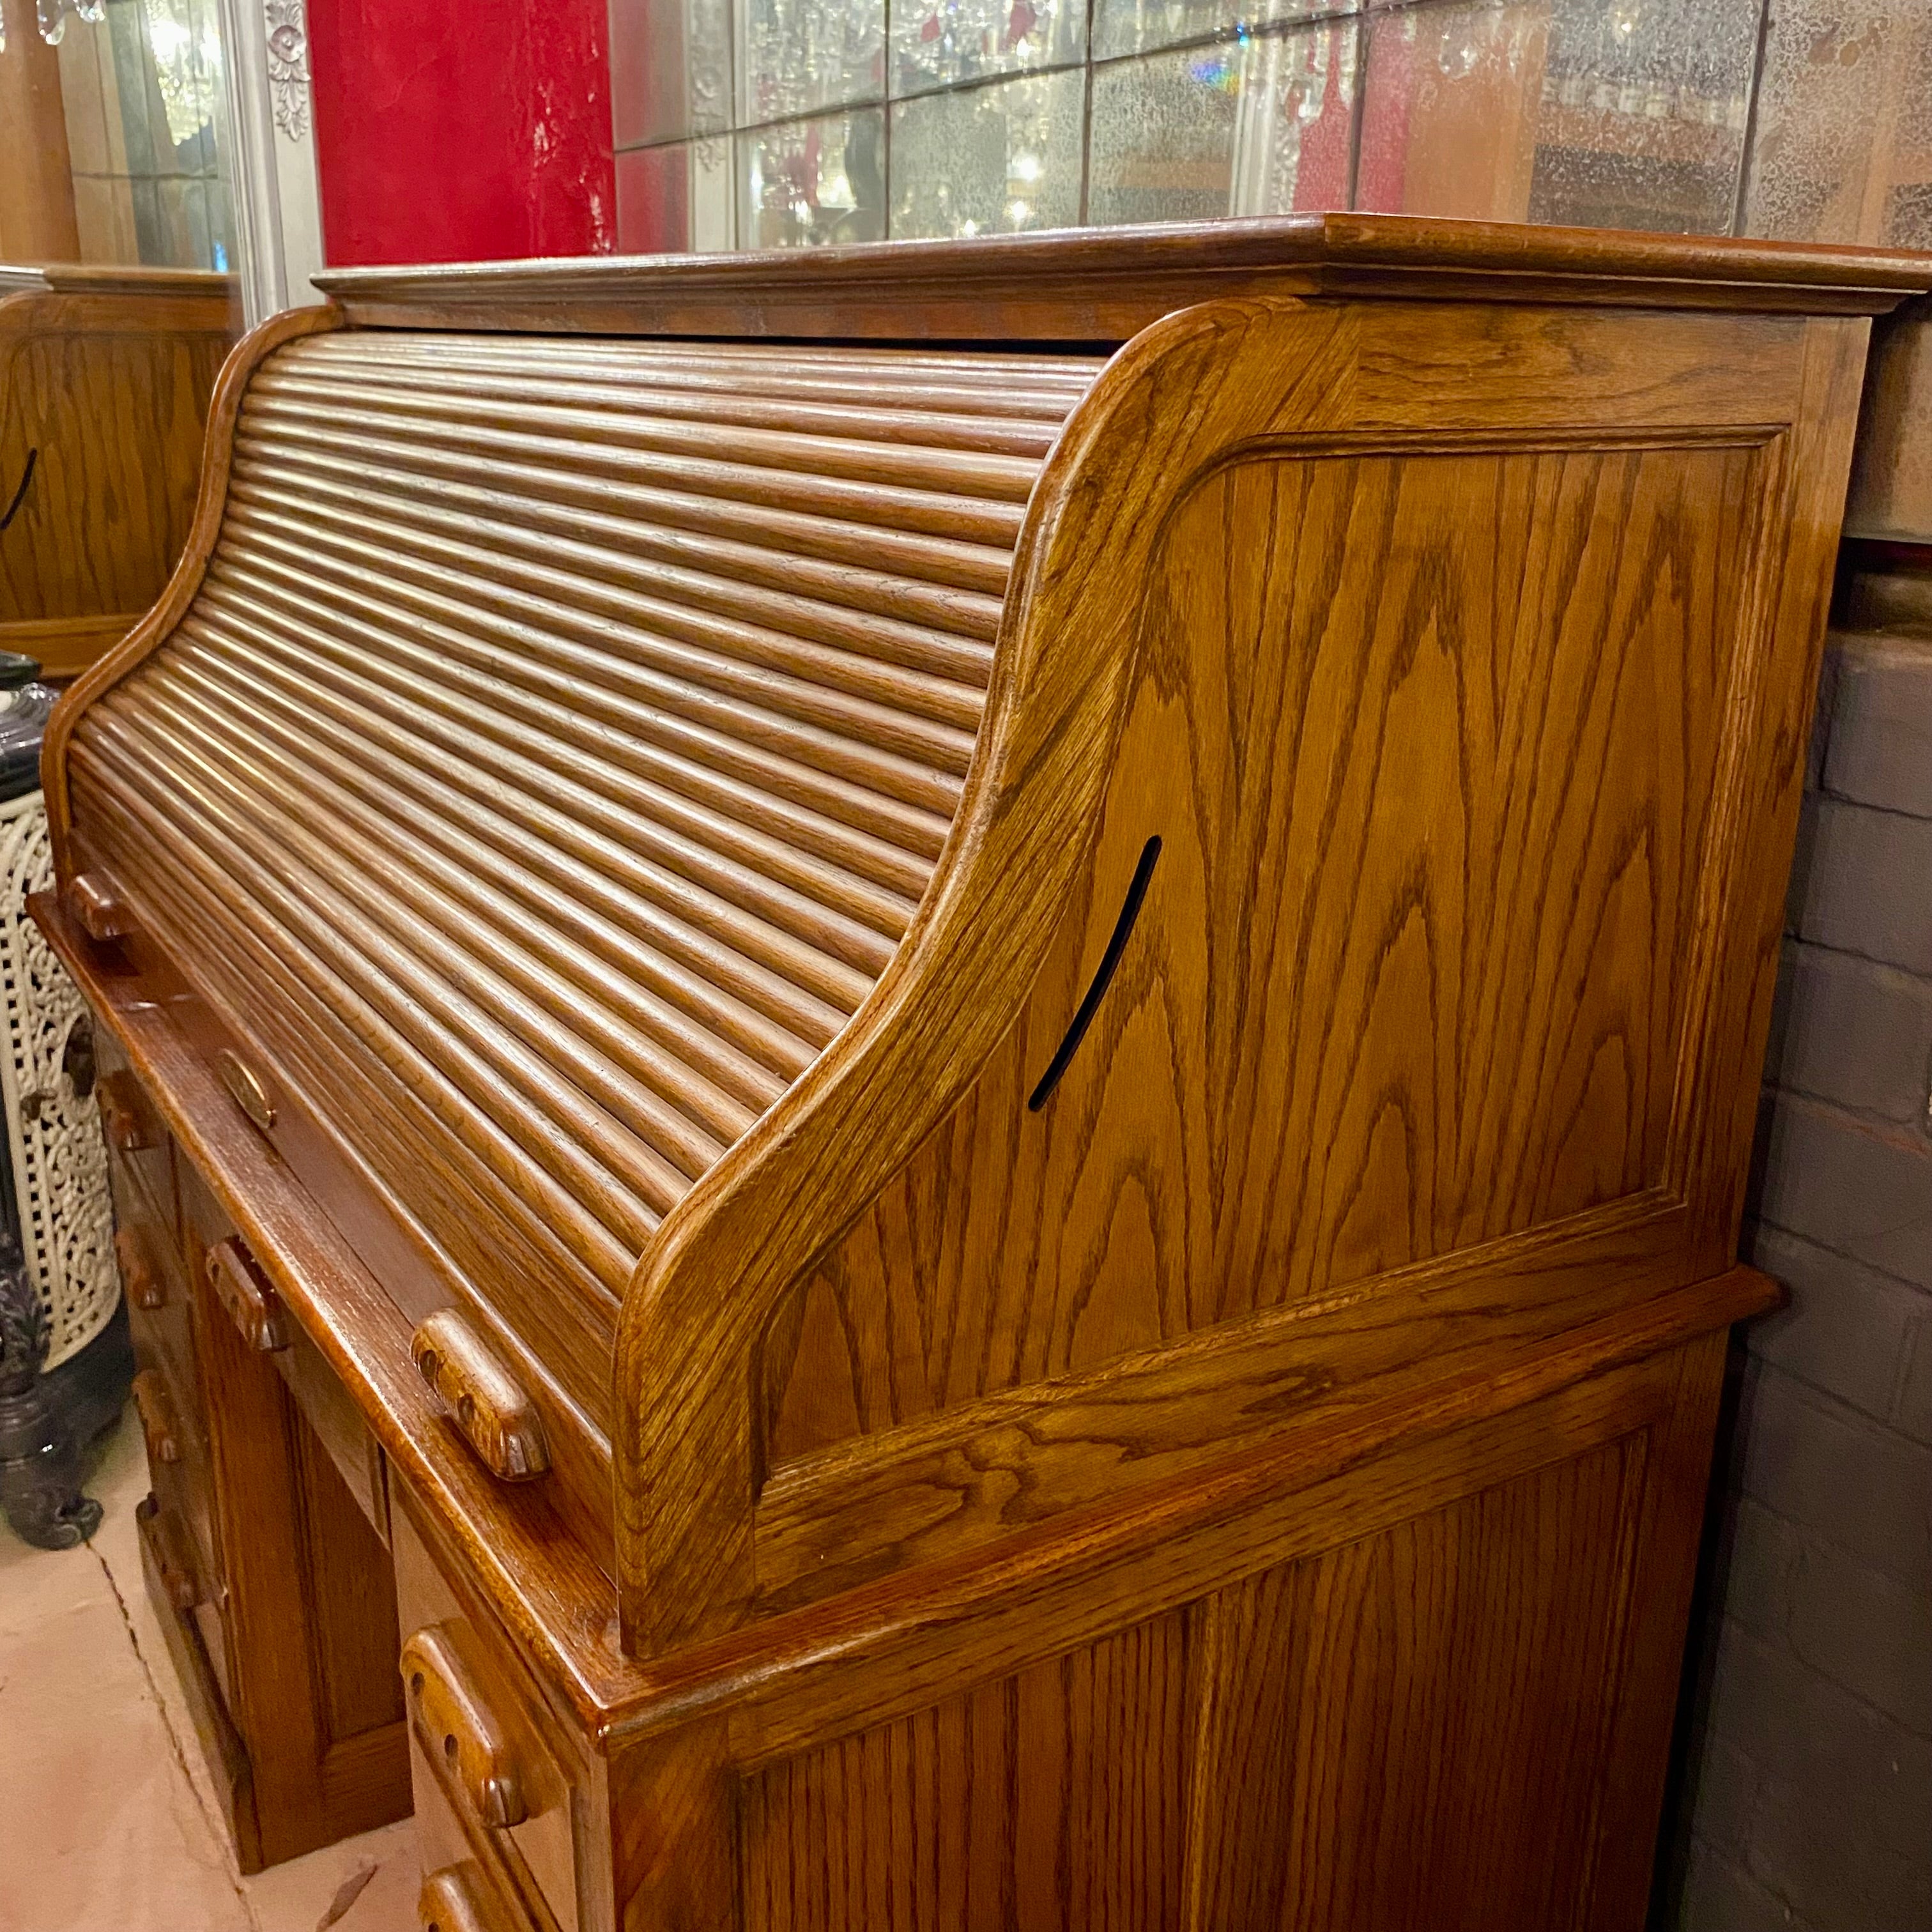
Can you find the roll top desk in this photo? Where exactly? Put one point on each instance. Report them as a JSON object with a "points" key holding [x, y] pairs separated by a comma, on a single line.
{"points": [[940, 1059]]}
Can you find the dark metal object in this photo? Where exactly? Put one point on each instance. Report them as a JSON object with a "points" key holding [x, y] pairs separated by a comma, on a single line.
{"points": [[47, 1422]]}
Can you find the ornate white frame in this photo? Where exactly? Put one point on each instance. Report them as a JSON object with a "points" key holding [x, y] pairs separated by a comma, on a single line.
{"points": [[278, 200]]}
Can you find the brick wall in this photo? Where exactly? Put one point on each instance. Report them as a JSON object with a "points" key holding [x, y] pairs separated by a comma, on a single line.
{"points": [[1808, 1798]]}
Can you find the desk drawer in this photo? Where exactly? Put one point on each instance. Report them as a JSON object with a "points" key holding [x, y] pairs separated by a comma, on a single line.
{"points": [[168, 1387], [500, 1771], [137, 1143]]}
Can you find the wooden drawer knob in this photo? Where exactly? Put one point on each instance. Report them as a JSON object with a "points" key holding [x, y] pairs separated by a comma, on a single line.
{"points": [[156, 1408], [139, 1275], [160, 1552], [94, 902], [126, 1118], [253, 1307], [496, 1418], [458, 1898], [459, 1728]]}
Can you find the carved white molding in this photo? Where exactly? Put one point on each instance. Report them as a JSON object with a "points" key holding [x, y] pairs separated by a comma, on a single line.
{"points": [[277, 201], [288, 66], [58, 1159]]}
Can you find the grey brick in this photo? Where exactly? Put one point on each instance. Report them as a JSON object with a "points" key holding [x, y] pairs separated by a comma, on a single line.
{"points": [[1861, 881], [1804, 1731], [1849, 1185], [1720, 1896], [1848, 1030], [1879, 743], [1867, 1632], [1862, 1487], [1846, 1328], [1759, 1556], [1817, 1846], [1914, 1412], [1722, 1797]]}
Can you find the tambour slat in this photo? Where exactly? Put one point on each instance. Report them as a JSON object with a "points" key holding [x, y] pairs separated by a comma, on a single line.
{"points": [[556, 883], [589, 438], [856, 413], [557, 750], [818, 944], [531, 465], [872, 699], [229, 919], [623, 1183]]}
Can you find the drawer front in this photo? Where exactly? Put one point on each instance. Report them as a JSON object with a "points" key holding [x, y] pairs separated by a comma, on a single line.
{"points": [[480, 1704], [169, 1388], [195, 1643], [484, 1893], [137, 1143]]}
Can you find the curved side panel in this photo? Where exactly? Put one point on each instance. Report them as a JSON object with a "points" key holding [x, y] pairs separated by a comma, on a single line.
{"points": [[1175, 402], [153, 629]]}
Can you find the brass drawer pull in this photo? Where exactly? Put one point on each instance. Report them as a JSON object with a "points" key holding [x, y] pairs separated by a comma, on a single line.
{"points": [[245, 1088], [156, 1410], [126, 1118], [497, 1420], [139, 1275], [254, 1307], [459, 1729], [95, 903]]}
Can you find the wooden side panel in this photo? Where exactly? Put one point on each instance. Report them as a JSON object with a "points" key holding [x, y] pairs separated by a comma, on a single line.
{"points": [[1432, 743], [1454, 1721], [1052, 1798], [115, 420], [1409, 1730]]}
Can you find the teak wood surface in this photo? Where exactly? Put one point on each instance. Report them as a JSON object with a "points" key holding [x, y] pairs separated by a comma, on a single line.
{"points": [[105, 376], [1064, 978]]}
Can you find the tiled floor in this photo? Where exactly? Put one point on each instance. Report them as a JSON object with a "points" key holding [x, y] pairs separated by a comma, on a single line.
{"points": [[107, 1822]]}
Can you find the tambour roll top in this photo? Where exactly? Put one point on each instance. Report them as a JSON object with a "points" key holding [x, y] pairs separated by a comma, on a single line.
{"points": [[556, 749]]}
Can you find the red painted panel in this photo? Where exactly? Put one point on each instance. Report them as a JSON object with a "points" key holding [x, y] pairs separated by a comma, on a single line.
{"points": [[451, 131]]}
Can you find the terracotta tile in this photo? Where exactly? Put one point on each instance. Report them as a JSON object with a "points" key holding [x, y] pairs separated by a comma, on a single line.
{"points": [[91, 1778], [297, 1897]]}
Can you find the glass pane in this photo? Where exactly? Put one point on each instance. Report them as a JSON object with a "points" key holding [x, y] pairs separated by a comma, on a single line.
{"points": [[797, 56], [1642, 116], [1451, 97], [1251, 126], [674, 199], [808, 182], [989, 160], [942, 42], [1843, 150], [1135, 26], [670, 69]]}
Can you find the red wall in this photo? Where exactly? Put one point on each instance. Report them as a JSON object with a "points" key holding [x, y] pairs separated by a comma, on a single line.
{"points": [[451, 131]]}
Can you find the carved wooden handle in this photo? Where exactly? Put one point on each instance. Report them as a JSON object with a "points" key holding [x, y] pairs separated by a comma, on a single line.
{"points": [[139, 1274], [157, 1409], [497, 1419], [161, 1552], [254, 1307], [458, 1898], [458, 1728], [126, 1118], [97, 907]]}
